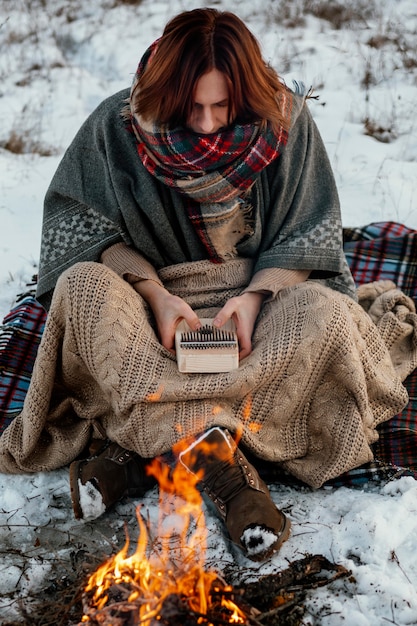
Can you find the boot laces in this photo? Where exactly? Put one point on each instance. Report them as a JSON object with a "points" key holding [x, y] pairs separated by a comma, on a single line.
{"points": [[225, 479]]}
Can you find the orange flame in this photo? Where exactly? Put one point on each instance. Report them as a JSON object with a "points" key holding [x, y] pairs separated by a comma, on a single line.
{"points": [[171, 564]]}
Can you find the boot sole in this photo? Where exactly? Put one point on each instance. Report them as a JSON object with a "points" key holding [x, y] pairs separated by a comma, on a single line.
{"points": [[74, 475], [285, 533]]}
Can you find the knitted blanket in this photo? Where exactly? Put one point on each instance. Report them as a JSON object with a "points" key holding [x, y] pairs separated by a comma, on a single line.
{"points": [[387, 251], [314, 411]]}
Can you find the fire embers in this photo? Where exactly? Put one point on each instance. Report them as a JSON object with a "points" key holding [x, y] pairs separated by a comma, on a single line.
{"points": [[174, 609], [273, 600]]}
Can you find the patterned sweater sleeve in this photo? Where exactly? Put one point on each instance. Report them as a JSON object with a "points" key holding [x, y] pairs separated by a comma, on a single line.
{"points": [[272, 279], [129, 264]]}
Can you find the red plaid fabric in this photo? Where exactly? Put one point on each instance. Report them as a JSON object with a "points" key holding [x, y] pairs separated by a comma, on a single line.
{"points": [[209, 170], [176, 154], [383, 250], [387, 251], [20, 335]]}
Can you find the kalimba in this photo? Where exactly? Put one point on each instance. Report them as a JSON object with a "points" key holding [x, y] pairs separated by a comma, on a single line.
{"points": [[207, 350]]}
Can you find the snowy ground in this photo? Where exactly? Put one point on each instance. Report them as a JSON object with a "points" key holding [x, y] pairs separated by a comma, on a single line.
{"points": [[58, 60]]}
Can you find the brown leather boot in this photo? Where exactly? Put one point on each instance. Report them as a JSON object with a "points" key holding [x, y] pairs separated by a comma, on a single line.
{"points": [[240, 496], [100, 481]]}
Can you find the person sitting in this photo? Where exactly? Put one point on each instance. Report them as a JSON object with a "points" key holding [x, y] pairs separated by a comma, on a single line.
{"points": [[203, 191]]}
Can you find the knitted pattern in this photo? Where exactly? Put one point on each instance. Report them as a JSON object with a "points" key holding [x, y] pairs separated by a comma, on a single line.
{"points": [[310, 395]]}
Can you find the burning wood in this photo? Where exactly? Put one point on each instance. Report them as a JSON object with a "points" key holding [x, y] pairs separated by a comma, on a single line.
{"points": [[273, 600], [166, 583], [176, 608]]}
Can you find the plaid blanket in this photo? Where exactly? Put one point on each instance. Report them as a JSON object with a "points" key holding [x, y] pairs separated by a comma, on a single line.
{"points": [[20, 335], [387, 251], [378, 251]]}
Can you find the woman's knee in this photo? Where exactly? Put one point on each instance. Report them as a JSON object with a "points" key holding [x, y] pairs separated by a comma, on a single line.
{"points": [[81, 270]]}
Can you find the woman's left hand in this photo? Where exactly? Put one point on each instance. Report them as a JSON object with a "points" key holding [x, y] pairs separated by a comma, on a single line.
{"points": [[243, 310]]}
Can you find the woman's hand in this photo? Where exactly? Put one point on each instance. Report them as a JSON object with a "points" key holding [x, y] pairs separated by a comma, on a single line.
{"points": [[168, 311], [243, 310]]}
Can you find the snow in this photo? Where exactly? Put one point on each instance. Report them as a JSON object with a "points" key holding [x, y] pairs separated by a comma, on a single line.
{"points": [[257, 540], [91, 501], [58, 60]]}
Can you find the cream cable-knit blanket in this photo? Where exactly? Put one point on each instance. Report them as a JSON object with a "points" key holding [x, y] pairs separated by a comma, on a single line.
{"points": [[322, 375]]}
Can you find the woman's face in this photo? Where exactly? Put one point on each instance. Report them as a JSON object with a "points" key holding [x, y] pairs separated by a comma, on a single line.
{"points": [[210, 110]]}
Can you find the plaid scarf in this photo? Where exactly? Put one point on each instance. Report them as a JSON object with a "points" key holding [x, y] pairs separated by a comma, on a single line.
{"points": [[214, 172]]}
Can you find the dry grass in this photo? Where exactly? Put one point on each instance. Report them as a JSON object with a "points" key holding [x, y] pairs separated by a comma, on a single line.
{"points": [[382, 133], [342, 14], [23, 143]]}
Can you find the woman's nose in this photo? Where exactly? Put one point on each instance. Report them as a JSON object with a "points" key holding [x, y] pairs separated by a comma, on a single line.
{"points": [[207, 121]]}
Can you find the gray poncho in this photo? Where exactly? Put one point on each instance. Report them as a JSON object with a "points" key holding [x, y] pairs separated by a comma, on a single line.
{"points": [[102, 194]]}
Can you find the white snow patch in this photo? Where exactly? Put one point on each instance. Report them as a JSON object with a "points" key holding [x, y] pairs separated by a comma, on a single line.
{"points": [[258, 539], [91, 501]]}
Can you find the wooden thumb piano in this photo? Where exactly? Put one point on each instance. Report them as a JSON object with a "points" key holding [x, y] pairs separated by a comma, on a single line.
{"points": [[207, 350]]}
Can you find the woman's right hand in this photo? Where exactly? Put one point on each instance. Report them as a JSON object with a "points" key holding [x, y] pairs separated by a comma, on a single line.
{"points": [[168, 311]]}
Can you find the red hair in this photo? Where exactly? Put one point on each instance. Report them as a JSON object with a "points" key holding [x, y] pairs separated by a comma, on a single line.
{"points": [[194, 43]]}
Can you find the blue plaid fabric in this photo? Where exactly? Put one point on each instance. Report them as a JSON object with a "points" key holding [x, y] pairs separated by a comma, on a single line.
{"points": [[387, 251], [383, 251], [20, 335]]}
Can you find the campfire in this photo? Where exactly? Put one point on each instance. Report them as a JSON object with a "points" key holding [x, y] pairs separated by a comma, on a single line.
{"points": [[165, 580]]}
